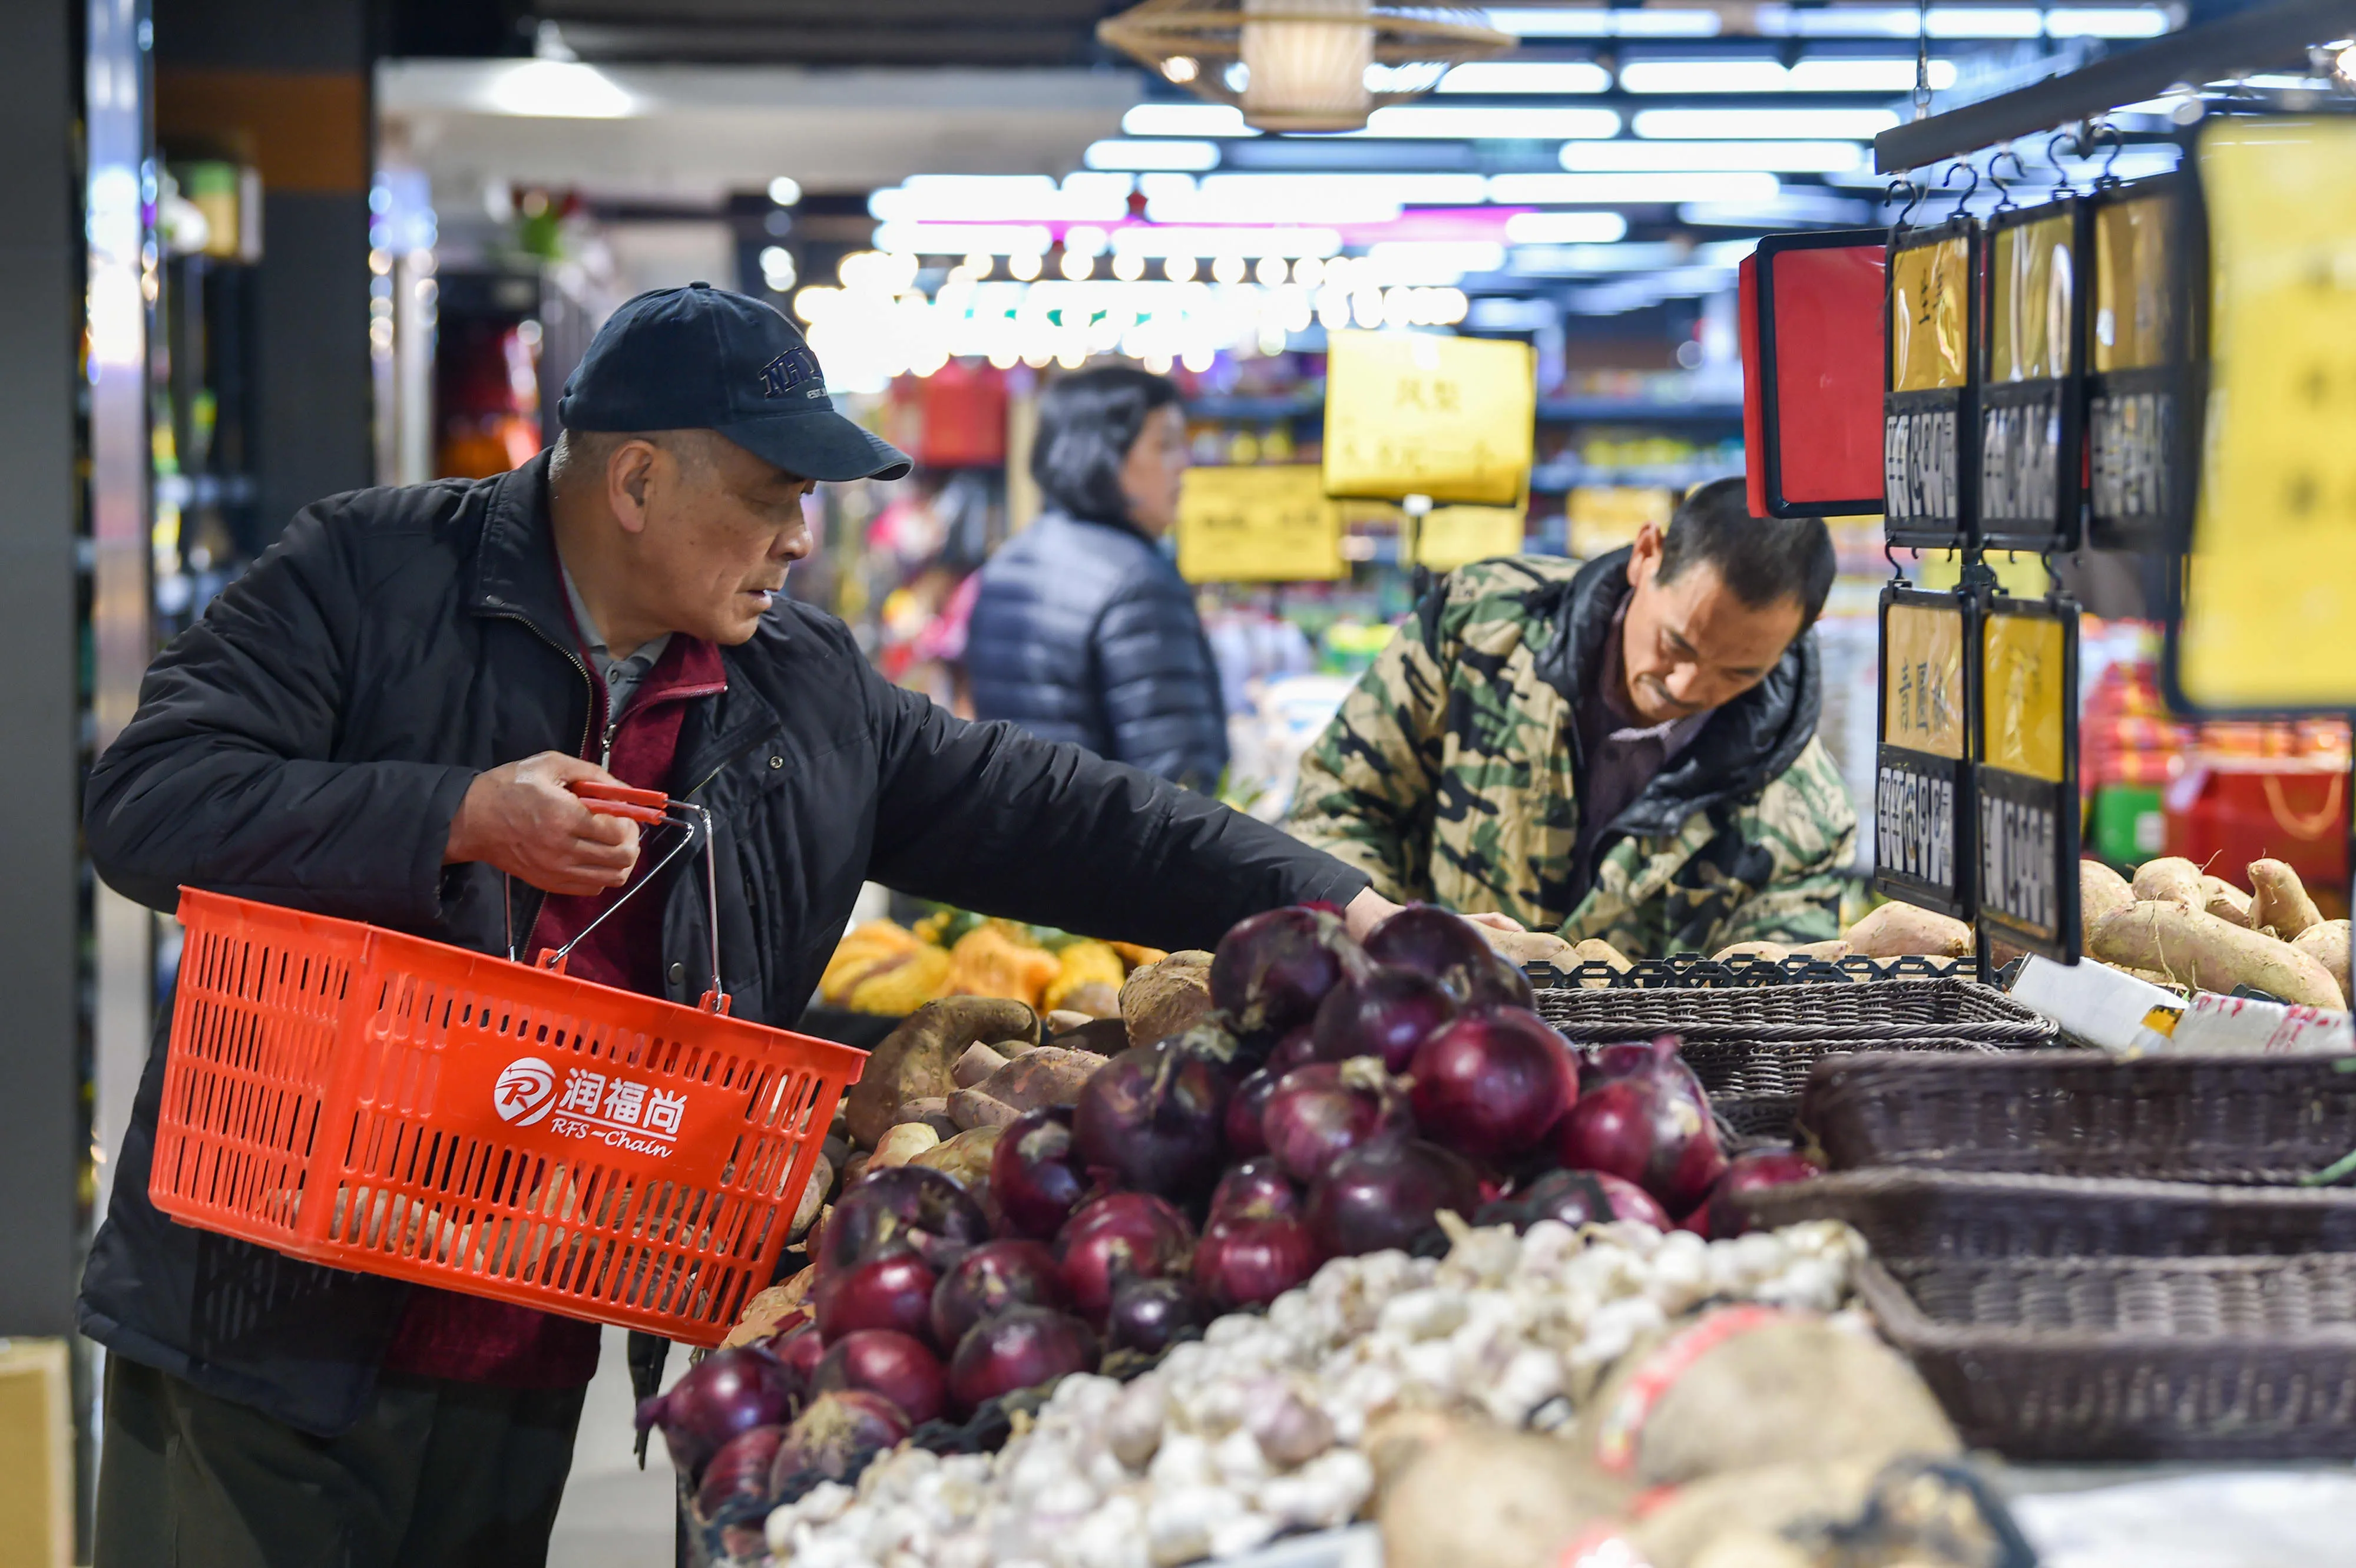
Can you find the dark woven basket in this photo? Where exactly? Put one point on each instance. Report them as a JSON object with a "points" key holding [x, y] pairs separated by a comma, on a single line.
{"points": [[2230, 1119], [2132, 1358], [1896, 1011], [1691, 970], [1906, 1214]]}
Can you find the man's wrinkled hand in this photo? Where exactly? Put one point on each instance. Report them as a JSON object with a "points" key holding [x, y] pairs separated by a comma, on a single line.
{"points": [[1370, 909], [523, 819]]}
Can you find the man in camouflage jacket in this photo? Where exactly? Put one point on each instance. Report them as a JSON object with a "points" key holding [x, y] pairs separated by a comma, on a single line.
{"points": [[1453, 773]]}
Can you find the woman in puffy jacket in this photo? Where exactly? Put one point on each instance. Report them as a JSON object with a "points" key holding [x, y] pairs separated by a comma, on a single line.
{"points": [[1083, 629]]}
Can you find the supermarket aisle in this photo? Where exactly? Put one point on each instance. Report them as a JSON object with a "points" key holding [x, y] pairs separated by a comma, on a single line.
{"points": [[614, 1514]]}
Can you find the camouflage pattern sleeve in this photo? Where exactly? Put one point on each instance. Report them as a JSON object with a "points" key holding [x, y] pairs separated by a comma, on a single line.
{"points": [[1367, 786], [1806, 822]]}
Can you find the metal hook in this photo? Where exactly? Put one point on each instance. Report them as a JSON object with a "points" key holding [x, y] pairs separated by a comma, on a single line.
{"points": [[2004, 201], [1914, 193], [1969, 191], [1890, 554], [2094, 133], [2061, 175]]}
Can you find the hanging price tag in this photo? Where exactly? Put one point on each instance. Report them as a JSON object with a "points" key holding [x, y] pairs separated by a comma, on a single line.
{"points": [[2267, 609], [1410, 414], [2027, 780], [1452, 536], [2141, 420], [1922, 817], [1929, 436], [2032, 370], [1258, 524]]}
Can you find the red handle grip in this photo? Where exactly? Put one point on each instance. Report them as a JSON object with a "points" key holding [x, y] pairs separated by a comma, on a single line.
{"points": [[621, 800]]}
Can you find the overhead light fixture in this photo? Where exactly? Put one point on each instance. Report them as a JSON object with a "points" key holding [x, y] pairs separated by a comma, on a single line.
{"points": [[1185, 120], [1441, 263], [1736, 124], [1792, 207], [1464, 121], [2344, 64], [1182, 242], [1303, 65], [1703, 76], [1565, 228], [1596, 22], [1283, 203], [1984, 22], [1776, 20], [1002, 198], [1175, 153], [2105, 22], [1623, 190], [1510, 75], [1831, 73], [556, 90], [1773, 158], [966, 240], [785, 190]]}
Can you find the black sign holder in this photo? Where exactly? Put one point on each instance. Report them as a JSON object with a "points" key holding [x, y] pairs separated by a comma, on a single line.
{"points": [[2029, 827], [1769, 402], [2143, 425], [1922, 802], [2030, 466], [1943, 421]]}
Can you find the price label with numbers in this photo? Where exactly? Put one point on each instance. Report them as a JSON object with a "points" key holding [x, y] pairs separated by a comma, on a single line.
{"points": [[1258, 524], [2141, 428], [1930, 436], [2032, 375], [1410, 414], [1922, 817], [2027, 783]]}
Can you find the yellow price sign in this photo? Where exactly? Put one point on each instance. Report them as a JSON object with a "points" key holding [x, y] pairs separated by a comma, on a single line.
{"points": [[1930, 291], [2135, 282], [1453, 536], [1922, 678], [2024, 697], [1266, 524], [1418, 414], [2270, 597]]}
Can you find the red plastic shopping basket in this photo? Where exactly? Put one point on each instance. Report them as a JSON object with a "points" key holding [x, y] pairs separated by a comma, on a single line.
{"points": [[382, 1104]]}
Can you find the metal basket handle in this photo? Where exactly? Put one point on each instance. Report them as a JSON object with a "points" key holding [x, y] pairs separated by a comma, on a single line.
{"points": [[653, 808]]}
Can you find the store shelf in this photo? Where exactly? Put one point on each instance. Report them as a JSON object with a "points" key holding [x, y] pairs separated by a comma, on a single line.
{"points": [[1554, 479], [1259, 410], [1635, 411]]}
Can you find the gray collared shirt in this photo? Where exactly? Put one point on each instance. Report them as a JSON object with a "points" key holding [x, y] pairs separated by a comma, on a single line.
{"points": [[621, 676]]}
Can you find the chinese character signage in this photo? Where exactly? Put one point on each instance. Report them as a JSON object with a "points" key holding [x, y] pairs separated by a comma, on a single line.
{"points": [[1930, 442], [1412, 413], [1921, 818], [2032, 365], [1812, 360], [2141, 420], [2027, 775], [1269, 523]]}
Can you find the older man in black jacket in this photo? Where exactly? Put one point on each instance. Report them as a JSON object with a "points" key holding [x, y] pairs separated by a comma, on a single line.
{"points": [[380, 720]]}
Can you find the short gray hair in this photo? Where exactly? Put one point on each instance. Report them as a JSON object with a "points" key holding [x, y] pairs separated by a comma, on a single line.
{"points": [[580, 455]]}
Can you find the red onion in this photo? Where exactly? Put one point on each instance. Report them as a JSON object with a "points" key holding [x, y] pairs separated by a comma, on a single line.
{"points": [[1326, 1109], [727, 1392], [1019, 1348], [901, 1209], [1250, 1262], [1271, 972], [991, 1278], [798, 1351], [1244, 1108], [892, 1292], [1450, 949], [1490, 1084], [740, 1469], [1148, 1316], [1386, 1194], [1575, 1197], [1154, 1117], [1646, 1130], [838, 1428], [1256, 1189], [1386, 1013], [1720, 1217], [1121, 1236], [1035, 1175], [901, 1369], [1298, 1048]]}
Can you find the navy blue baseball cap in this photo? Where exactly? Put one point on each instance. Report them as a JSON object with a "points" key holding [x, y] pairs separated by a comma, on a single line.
{"points": [[702, 358]]}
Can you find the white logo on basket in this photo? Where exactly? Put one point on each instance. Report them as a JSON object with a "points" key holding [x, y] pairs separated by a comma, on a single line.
{"points": [[524, 1092]]}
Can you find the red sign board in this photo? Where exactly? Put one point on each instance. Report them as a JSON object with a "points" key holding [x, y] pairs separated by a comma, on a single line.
{"points": [[1812, 326]]}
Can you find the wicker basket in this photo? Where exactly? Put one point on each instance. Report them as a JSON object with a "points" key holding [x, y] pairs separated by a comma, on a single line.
{"points": [[1690, 972], [2132, 1358], [2234, 1120], [1912, 1214]]}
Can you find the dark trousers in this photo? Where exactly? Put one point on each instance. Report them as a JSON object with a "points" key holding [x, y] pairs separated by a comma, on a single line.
{"points": [[436, 1474]]}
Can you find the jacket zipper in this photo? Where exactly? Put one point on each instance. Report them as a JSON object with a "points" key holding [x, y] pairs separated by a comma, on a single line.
{"points": [[537, 900]]}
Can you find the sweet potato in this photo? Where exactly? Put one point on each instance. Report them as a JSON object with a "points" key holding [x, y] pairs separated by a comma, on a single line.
{"points": [[1159, 1000], [1523, 949], [2326, 944], [1894, 931], [2198, 949], [965, 1157], [903, 1143], [1773, 953], [1595, 949], [915, 1059], [931, 1110], [978, 1063], [2279, 899], [2100, 890], [813, 1199], [2226, 901], [1831, 952], [970, 1108], [2172, 879], [1048, 1076]]}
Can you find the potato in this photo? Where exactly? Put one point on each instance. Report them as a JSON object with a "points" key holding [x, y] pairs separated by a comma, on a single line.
{"points": [[1894, 931], [1827, 951], [1048, 1076], [2100, 890], [965, 1157], [1160, 999], [1062, 1021], [2279, 899], [1096, 999], [915, 1060], [2225, 901], [1523, 949], [1773, 953], [1777, 1388], [1595, 949], [2326, 944], [813, 1199], [2170, 879], [903, 1143], [978, 1063], [2198, 949], [932, 1110], [970, 1108], [1482, 1496], [1100, 1037]]}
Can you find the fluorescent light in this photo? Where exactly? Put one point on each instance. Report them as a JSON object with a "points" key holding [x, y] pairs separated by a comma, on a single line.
{"points": [[1780, 21], [1774, 157], [1702, 76], [1002, 198], [1834, 74], [1151, 155], [556, 90], [2105, 22], [1177, 239], [1599, 23], [1792, 207], [1986, 22], [1587, 261], [1702, 124], [1565, 228], [785, 190], [1526, 76], [1430, 261], [1612, 189], [1397, 188], [965, 239], [1185, 120], [1467, 121]]}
